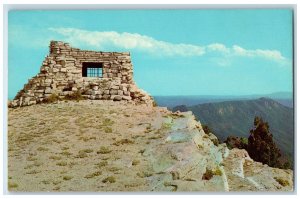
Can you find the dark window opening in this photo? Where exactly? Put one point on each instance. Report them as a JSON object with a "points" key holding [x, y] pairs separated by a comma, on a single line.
{"points": [[92, 69]]}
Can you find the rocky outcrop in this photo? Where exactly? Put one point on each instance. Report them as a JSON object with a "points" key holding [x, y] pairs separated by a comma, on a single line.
{"points": [[64, 72], [80, 146], [196, 163]]}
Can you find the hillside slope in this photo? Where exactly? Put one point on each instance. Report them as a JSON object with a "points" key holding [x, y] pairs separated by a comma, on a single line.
{"points": [[236, 118], [110, 146]]}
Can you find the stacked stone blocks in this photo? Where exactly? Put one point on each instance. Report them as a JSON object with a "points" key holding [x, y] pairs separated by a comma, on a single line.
{"points": [[61, 74]]}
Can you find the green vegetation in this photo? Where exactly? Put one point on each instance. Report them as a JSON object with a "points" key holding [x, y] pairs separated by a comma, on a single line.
{"points": [[87, 151], [107, 122], [103, 150], [92, 175], [62, 163], [123, 141], [206, 129], [154, 104], [135, 162], [208, 174], [282, 182], [144, 174], [12, 185], [235, 117], [74, 96], [261, 146], [42, 149], [217, 172], [110, 179], [67, 177], [81, 154], [102, 164], [66, 153], [51, 99], [108, 130]]}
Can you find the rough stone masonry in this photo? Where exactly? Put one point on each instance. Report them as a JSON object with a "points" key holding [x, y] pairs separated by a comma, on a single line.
{"points": [[94, 75]]}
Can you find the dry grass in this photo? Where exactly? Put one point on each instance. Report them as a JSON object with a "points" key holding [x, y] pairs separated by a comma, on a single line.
{"points": [[67, 177], [104, 150], [92, 175], [110, 179], [282, 182]]}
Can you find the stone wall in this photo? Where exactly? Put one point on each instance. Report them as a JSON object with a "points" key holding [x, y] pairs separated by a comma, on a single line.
{"points": [[61, 74]]}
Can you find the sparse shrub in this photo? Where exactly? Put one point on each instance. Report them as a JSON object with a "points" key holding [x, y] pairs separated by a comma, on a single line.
{"points": [[56, 182], [206, 129], [31, 158], [261, 146], [92, 175], [135, 162], [236, 142], [107, 122], [166, 126], [42, 149], [176, 115], [66, 153], [51, 99], [110, 179], [142, 151], [37, 164], [33, 172], [144, 174], [46, 181], [154, 104], [57, 188], [155, 137], [215, 141], [81, 154], [114, 169], [217, 172], [108, 130], [67, 177], [208, 174], [148, 129], [103, 150], [29, 166], [123, 141], [55, 157], [244, 141], [12, 185], [102, 164], [87, 150], [169, 184], [74, 96], [282, 182], [62, 163]]}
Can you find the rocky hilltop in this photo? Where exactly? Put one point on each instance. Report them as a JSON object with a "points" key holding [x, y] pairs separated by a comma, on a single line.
{"points": [[117, 146]]}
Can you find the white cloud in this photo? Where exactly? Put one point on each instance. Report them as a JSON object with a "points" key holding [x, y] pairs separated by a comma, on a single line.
{"points": [[129, 41], [268, 54], [218, 47]]}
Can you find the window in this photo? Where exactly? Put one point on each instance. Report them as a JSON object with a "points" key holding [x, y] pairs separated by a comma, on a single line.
{"points": [[92, 69]]}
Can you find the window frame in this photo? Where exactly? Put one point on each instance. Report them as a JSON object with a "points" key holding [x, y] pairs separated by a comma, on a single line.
{"points": [[92, 69]]}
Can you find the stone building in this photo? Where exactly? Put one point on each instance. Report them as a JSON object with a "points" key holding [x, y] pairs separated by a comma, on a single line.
{"points": [[93, 75]]}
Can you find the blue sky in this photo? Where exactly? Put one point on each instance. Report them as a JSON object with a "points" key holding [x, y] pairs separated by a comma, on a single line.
{"points": [[174, 52]]}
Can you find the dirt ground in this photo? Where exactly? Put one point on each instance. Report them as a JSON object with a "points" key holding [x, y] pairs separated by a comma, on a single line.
{"points": [[103, 146], [81, 146]]}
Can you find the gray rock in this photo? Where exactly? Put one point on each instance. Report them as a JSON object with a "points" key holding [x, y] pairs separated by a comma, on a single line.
{"points": [[117, 98]]}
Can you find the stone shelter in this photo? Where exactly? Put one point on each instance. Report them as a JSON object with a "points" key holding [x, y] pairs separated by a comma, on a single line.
{"points": [[92, 75]]}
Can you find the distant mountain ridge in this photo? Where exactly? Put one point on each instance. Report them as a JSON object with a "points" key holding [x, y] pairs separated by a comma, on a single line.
{"points": [[236, 118], [285, 98]]}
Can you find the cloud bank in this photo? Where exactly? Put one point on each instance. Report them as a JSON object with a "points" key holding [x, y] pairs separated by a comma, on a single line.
{"points": [[130, 41]]}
